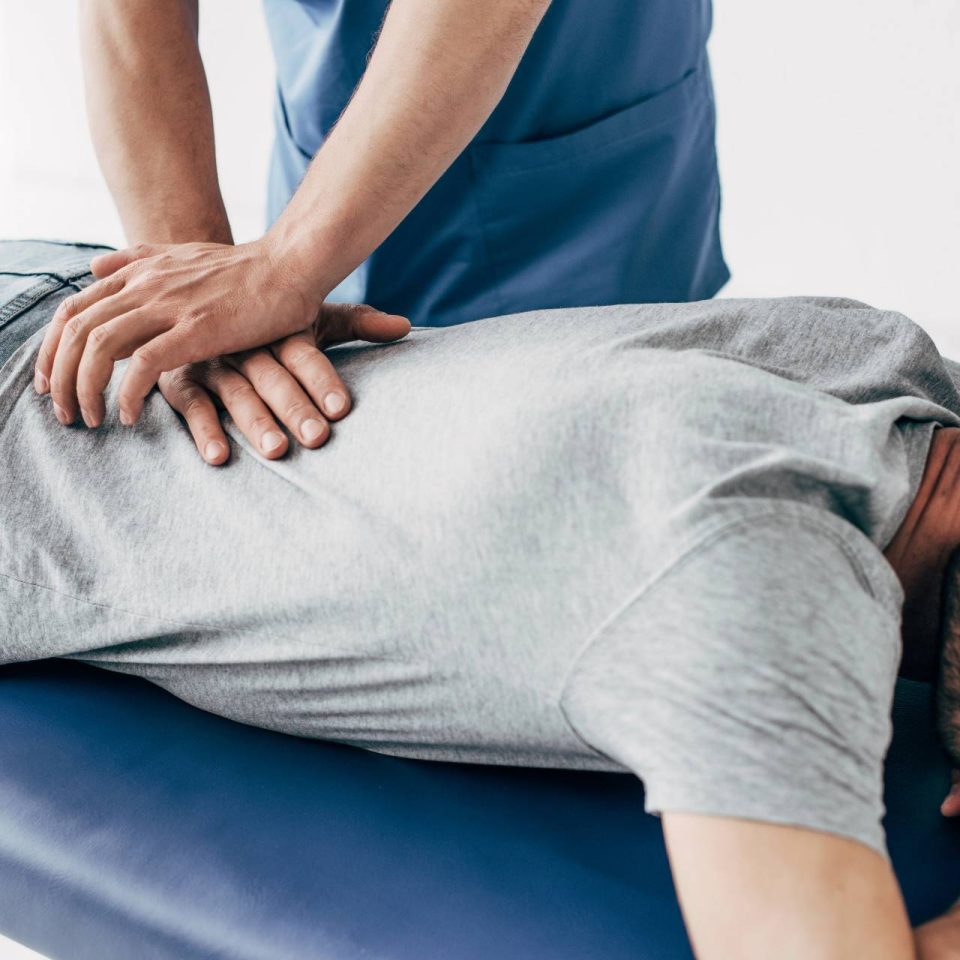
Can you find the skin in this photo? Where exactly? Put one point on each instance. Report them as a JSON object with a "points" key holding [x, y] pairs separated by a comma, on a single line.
{"points": [[755, 890], [151, 122], [435, 75]]}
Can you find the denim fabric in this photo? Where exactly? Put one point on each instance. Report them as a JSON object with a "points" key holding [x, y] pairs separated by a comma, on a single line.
{"points": [[35, 275]]}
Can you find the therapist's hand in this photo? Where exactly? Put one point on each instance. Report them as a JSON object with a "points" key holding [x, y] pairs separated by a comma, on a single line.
{"points": [[291, 382], [165, 306], [951, 803], [939, 939]]}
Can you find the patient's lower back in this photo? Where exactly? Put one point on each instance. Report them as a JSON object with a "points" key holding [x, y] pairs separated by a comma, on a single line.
{"points": [[425, 581]]}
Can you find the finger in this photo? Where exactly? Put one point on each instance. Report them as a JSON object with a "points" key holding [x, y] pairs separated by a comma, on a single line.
{"points": [[340, 322], [951, 803], [249, 412], [378, 327], [193, 402], [278, 388], [107, 343], [73, 342], [68, 309], [176, 347], [108, 263], [315, 371]]}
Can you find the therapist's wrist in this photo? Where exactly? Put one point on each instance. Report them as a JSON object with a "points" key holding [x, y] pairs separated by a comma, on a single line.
{"points": [[307, 260], [204, 222]]}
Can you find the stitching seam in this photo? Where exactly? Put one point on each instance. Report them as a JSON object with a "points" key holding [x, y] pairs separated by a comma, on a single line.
{"points": [[106, 606], [707, 540]]}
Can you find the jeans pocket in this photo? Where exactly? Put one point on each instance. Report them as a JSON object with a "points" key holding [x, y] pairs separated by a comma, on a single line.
{"points": [[31, 270]]}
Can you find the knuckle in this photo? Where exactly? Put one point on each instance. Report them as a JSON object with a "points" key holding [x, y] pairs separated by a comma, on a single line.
{"points": [[99, 337], [238, 358], [73, 328], [142, 279], [271, 378], [208, 371], [359, 312], [296, 411], [190, 318], [180, 379], [141, 273], [143, 356], [299, 354], [194, 402], [261, 423], [234, 390]]}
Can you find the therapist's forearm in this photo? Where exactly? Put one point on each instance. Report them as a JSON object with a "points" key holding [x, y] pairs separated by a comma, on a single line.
{"points": [[150, 118], [438, 70]]}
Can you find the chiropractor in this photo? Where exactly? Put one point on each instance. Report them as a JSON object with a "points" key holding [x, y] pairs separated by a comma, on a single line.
{"points": [[487, 157]]}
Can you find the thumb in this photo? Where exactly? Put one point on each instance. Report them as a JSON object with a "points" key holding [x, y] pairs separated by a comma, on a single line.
{"points": [[380, 327], [951, 804], [340, 322], [107, 263]]}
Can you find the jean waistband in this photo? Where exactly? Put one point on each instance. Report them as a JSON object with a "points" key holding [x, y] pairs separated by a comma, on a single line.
{"points": [[32, 272]]}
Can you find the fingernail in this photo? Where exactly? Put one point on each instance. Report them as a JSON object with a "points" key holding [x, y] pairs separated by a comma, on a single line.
{"points": [[126, 419], [312, 430], [40, 382], [61, 414], [333, 403], [271, 440], [213, 450], [89, 419]]}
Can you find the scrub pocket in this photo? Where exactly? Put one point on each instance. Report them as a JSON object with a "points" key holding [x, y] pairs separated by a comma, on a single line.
{"points": [[626, 207]]}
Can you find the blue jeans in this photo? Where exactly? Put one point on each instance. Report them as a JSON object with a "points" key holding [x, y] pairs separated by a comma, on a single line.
{"points": [[35, 276]]}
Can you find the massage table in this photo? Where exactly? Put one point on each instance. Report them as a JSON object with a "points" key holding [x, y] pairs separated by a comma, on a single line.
{"points": [[135, 826]]}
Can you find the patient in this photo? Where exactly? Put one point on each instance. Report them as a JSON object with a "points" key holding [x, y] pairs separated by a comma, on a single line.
{"points": [[672, 539]]}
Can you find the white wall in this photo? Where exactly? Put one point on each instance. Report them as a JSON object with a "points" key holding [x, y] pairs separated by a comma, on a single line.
{"points": [[14, 951], [49, 181], [839, 139]]}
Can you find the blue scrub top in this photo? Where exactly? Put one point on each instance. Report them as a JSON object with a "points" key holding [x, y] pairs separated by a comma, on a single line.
{"points": [[594, 180]]}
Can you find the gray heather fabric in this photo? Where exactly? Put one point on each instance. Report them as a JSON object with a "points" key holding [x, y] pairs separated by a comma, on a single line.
{"points": [[632, 537]]}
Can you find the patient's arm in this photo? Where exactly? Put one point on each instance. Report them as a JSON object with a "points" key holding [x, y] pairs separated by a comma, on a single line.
{"points": [[752, 890]]}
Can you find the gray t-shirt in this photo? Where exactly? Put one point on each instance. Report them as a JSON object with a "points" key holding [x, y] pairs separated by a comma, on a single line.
{"points": [[633, 537]]}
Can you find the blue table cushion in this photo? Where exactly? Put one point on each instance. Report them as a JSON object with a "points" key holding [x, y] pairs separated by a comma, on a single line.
{"points": [[135, 826]]}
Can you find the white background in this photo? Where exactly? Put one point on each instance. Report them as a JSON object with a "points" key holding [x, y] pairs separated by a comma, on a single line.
{"points": [[839, 141]]}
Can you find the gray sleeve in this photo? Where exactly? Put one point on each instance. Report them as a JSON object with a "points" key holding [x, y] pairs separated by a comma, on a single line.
{"points": [[754, 678]]}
